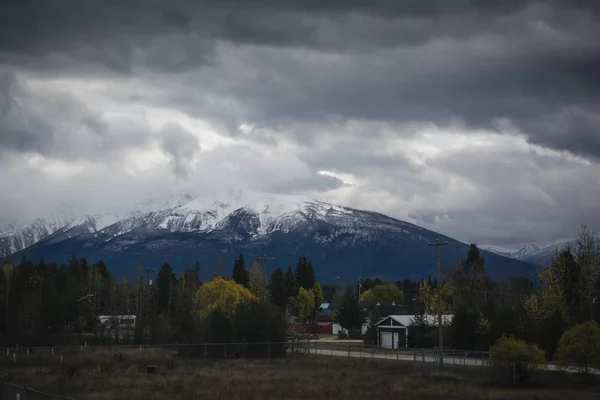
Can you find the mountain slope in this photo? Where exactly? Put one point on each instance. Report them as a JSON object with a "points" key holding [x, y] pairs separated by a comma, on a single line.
{"points": [[521, 254], [341, 241], [13, 239]]}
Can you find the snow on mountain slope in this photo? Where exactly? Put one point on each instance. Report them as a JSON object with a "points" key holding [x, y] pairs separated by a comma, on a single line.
{"points": [[521, 254], [217, 228], [66, 223], [261, 216], [14, 239], [544, 256], [525, 251]]}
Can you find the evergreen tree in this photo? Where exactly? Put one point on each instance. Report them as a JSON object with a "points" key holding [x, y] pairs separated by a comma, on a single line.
{"points": [[349, 314], [310, 275], [165, 285], [374, 318], [191, 279], [278, 292], [239, 273], [305, 273], [290, 283]]}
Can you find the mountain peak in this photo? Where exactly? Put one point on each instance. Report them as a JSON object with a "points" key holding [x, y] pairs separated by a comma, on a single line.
{"points": [[213, 227]]}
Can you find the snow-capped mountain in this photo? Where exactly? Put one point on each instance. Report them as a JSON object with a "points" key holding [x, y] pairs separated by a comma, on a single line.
{"points": [[215, 229], [517, 255], [540, 256], [525, 252], [15, 238]]}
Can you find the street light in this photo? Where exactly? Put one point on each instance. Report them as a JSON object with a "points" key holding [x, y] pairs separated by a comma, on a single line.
{"points": [[85, 297]]}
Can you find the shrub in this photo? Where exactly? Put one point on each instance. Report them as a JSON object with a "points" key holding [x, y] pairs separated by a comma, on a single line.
{"points": [[580, 347], [517, 359]]}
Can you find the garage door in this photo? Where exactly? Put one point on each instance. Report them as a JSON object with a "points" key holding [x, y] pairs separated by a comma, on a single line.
{"points": [[386, 340]]}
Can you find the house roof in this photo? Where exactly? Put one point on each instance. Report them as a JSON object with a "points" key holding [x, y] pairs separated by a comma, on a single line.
{"points": [[325, 317], [378, 303], [407, 320]]}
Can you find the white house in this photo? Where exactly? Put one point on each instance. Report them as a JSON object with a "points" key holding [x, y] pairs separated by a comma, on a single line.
{"points": [[392, 331]]}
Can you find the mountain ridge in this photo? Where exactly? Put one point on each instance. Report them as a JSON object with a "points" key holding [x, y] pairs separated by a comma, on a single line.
{"points": [[346, 241]]}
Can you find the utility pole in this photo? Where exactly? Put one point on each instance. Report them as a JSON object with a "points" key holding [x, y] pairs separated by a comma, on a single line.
{"points": [[265, 259], [146, 298], [148, 270], [437, 245]]}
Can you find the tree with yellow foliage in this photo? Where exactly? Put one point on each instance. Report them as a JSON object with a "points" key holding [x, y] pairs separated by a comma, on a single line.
{"points": [[428, 296], [225, 295], [303, 304], [387, 291], [258, 281]]}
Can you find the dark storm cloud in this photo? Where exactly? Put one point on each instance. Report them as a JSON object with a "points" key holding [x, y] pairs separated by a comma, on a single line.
{"points": [[533, 63]]}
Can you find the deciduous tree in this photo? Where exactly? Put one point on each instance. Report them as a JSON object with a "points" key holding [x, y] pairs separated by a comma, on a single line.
{"points": [[580, 346], [258, 281], [222, 294], [388, 291]]}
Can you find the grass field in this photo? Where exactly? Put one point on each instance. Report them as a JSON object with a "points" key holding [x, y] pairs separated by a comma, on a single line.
{"points": [[104, 374]]}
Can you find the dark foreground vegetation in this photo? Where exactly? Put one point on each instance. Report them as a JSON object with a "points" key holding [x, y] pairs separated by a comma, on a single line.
{"points": [[104, 374]]}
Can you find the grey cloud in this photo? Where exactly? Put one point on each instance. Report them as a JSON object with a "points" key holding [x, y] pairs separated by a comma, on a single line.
{"points": [[181, 146], [58, 126], [306, 68], [515, 72], [297, 185], [521, 198]]}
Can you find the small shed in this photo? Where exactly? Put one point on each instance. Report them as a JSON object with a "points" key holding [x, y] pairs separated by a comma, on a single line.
{"points": [[392, 331]]}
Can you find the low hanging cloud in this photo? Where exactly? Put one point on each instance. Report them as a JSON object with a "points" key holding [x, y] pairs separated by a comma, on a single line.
{"points": [[181, 146], [474, 118]]}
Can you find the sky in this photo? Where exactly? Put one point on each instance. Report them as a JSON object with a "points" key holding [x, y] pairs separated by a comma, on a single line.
{"points": [[477, 119]]}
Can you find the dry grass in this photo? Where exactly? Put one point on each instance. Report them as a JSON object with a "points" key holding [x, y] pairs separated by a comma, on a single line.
{"points": [[106, 375]]}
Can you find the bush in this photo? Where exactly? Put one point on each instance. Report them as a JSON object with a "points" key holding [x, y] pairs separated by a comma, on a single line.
{"points": [[580, 347], [517, 359]]}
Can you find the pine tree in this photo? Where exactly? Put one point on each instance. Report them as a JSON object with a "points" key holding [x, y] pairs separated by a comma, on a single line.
{"points": [[305, 273], [165, 285], [277, 289], [310, 275], [349, 314], [239, 273], [290, 283]]}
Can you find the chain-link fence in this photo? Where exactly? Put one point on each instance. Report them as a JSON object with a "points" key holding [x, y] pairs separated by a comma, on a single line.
{"points": [[158, 358], [10, 391]]}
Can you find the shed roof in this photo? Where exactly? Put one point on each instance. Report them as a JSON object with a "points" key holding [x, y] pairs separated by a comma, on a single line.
{"points": [[407, 320]]}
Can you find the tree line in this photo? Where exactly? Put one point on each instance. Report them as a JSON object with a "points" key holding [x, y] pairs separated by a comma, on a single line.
{"points": [[51, 304]]}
